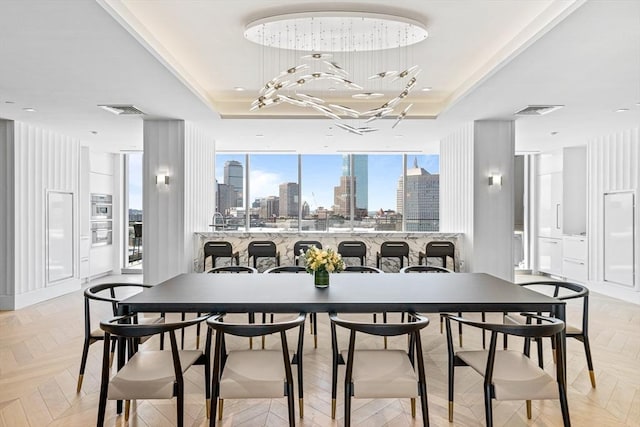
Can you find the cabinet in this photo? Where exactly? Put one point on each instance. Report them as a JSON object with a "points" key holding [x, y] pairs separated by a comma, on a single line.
{"points": [[574, 258], [550, 205], [550, 256]]}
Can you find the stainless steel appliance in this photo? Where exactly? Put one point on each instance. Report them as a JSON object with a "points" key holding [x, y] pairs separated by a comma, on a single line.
{"points": [[101, 207], [101, 233]]}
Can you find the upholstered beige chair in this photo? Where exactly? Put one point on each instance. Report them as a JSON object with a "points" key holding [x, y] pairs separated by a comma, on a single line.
{"points": [[241, 374], [509, 374], [149, 374], [109, 295], [372, 374]]}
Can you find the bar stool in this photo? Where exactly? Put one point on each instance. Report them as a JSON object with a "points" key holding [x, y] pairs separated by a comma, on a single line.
{"points": [[398, 250], [440, 250], [353, 249], [262, 249], [219, 249]]}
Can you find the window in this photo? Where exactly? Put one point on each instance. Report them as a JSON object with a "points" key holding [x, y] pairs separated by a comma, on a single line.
{"points": [[312, 192], [134, 209], [273, 192]]}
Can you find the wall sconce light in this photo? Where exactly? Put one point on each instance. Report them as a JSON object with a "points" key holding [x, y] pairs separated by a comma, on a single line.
{"points": [[162, 179], [495, 180]]}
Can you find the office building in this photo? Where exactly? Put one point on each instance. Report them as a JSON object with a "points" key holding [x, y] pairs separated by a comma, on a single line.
{"points": [[234, 177], [361, 173], [421, 203], [289, 199]]}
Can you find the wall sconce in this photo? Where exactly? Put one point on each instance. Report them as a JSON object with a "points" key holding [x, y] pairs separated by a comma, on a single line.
{"points": [[162, 179], [495, 180]]}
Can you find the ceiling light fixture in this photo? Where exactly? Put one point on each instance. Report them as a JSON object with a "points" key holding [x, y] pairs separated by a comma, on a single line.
{"points": [[317, 44], [427, 89], [239, 89], [29, 110], [621, 110]]}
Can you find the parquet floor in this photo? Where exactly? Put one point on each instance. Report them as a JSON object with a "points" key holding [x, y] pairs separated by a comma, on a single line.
{"points": [[40, 349]]}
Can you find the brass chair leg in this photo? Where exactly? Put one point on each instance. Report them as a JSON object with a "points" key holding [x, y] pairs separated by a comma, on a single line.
{"points": [[333, 409], [301, 404], [220, 408], [413, 407], [451, 411], [528, 409], [198, 341], [263, 341], [80, 378], [592, 376], [208, 406], [127, 409], [251, 343], [555, 356], [385, 343], [460, 336], [315, 341], [111, 357]]}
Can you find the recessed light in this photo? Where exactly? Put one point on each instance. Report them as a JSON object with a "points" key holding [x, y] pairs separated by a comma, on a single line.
{"points": [[11, 102], [238, 88], [259, 135], [621, 110], [427, 89], [29, 110], [331, 89]]}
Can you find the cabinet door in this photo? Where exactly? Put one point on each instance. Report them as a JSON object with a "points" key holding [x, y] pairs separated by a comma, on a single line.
{"points": [[550, 256], [550, 205]]}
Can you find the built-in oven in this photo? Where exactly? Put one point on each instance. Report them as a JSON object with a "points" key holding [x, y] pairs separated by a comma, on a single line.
{"points": [[101, 233], [101, 207]]}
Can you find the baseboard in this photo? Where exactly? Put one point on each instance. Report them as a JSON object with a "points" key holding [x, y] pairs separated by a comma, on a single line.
{"points": [[43, 294]]}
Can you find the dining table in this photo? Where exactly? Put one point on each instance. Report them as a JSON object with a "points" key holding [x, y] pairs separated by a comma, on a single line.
{"points": [[347, 293]]}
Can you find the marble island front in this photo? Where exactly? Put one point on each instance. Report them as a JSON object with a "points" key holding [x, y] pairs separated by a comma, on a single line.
{"points": [[285, 241]]}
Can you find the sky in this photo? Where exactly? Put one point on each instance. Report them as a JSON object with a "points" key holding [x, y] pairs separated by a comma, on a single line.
{"points": [[321, 173], [135, 180]]}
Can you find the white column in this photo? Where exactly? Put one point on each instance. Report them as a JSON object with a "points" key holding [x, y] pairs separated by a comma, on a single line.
{"points": [[469, 205], [174, 211]]}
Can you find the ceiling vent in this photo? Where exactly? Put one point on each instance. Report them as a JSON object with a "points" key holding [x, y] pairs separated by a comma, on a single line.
{"points": [[122, 110], [537, 110]]}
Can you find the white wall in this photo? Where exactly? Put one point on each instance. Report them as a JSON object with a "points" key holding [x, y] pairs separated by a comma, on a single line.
{"points": [[7, 217], [613, 163], [469, 205], [42, 161], [173, 212]]}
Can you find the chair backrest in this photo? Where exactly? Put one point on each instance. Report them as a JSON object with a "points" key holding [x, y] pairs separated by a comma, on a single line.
{"points": [[261, 248], [286, 269], [218, 249], [137, 230], [576, 291], [252, 329], [361, 269], [424, 269], [382, 329], [394, 249], [233, 269], [110, 293], [115, 326], [440, 249], [353, 249]]}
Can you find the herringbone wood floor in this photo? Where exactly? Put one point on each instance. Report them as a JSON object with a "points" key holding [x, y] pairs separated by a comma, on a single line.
{"points": [[40, 349]]}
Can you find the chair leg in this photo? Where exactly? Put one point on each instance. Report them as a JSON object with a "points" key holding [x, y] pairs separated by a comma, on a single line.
{"points": [[347, 405], [423, 404], [487, 408], [587, 352], [83, 363], [413, 407], [220, 408], [291, 405], [198, 333], [564, 406], [484, 338], [460, 328], [528, 409], [127, 409], [314, 316], [540, 356], [182, 317]]}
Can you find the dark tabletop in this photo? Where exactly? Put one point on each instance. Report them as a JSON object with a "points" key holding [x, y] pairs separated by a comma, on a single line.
{"points": [[348, 292]]}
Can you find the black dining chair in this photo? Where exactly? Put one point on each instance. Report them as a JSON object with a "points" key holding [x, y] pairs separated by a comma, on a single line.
{"points": [[108, 295], [353, 249], [509, 374], [301, 247], [242, 374], [377, 373], [441, 250], [398, 250]]}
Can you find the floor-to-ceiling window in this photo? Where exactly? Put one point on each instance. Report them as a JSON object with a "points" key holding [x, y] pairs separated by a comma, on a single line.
{"points": [[133, 210]]}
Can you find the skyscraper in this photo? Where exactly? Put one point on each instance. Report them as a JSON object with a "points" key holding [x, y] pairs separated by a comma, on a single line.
{"points": [[226, 198], [289, 199], [361, 173], [342, 195], [233, 176], [422, 196]]}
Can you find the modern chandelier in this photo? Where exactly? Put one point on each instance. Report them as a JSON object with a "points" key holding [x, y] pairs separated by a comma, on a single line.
{"points": [[322, 47]]}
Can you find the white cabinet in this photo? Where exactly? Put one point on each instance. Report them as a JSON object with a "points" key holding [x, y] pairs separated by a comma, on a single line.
{"points": [[550, 256], [550, 205], [574, 258]]}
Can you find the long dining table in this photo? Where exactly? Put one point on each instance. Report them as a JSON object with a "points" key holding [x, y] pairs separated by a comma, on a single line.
{"points": [[347, 293]]}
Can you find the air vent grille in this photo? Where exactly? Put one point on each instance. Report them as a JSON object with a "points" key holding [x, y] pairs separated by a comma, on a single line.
{"points": [[121, 109], [537, 110]]}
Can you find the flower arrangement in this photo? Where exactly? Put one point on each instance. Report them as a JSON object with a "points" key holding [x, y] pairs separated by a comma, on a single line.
{"points": [[323, 260]]}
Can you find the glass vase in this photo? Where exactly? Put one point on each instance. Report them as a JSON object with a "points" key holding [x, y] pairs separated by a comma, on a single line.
{"points": [[321, 278]]}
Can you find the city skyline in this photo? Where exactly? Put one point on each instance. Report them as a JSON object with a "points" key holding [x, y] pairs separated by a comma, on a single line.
{"points": [[320, 175]]}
